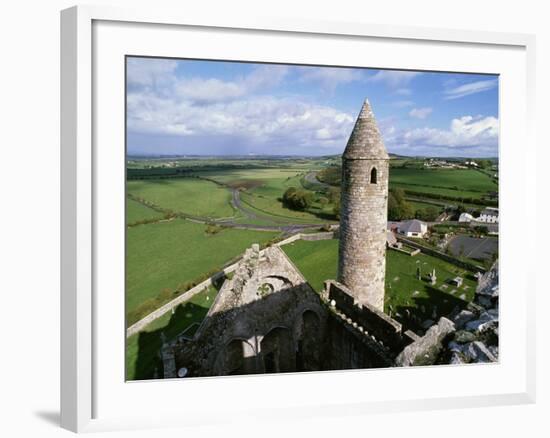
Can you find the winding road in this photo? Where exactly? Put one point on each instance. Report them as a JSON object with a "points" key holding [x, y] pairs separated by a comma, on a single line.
{"points": [[279, 224], [311, 177], [274, 224]]}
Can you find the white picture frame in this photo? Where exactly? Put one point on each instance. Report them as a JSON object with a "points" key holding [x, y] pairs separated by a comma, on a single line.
{"points": [[85, 175]]}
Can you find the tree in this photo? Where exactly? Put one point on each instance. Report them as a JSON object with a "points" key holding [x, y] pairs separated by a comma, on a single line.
{"points": [[398, 207], [481, 229], [334, 195], [394, 212], [428, 214], [296, 199], [336, 210], [484, 164], [399, 195]]}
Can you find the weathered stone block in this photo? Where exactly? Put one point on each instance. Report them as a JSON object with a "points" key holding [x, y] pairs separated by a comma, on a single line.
{"points": [[426, 350]]}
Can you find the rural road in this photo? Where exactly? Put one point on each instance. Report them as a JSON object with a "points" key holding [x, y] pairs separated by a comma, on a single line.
{"points": [[311, 177], [279, 224]]}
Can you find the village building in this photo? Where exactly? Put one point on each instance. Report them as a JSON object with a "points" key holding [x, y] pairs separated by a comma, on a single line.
{"points": [[489, 215], [413, 228], [465, 217]]}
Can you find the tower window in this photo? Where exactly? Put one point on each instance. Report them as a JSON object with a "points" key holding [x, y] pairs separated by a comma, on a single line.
{"points": [[373, 176]]}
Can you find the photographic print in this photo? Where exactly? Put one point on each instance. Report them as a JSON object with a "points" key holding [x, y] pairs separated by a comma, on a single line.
{"points": [[296, 218]]}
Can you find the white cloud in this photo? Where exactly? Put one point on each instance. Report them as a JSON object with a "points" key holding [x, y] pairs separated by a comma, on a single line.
{"points": [[472, 135], [402, 103], [329, 77], [471, 88], [403, 91], [475, 127], [256, 120], [211, 111], [266, 76], [147, 71], [209, 90], [394, 78], [215, 90], [420, 113]]}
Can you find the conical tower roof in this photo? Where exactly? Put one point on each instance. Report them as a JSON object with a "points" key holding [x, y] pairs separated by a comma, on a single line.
{"points": [[365, 142]]}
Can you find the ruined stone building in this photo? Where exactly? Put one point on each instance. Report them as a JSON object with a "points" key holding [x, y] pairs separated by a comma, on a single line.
{"points": [[268, 319]]}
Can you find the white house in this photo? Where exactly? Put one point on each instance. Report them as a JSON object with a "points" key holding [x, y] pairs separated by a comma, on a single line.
{"points": [[412, 228], [489, 215], [465, 217]]}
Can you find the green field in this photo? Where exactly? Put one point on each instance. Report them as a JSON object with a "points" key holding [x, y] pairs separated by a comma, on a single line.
{"points": [[265, 187], [142, 348], [165, 255], [136, 211], [463, 179], [448, 182], [417, 205], [404, 292], [187, 195], [273, 207], [317, 261]]}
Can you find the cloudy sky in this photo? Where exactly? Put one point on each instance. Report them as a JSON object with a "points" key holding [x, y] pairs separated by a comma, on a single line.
{"points": [[230, 108]]}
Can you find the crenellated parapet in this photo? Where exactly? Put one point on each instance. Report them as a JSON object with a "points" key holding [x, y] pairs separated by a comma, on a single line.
{"points": [[369, 321]]}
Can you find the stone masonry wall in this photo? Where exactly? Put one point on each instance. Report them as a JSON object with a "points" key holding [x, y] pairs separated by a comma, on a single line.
{"points": [[373, 322], [362, 246], [265, 303]]}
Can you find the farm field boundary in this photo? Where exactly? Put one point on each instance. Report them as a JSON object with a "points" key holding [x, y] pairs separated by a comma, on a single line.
{"points": [[441, 255], [187, 295]]}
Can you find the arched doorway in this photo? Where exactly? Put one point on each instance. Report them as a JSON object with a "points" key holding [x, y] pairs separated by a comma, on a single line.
{"points": [[237, 358], [309, 346], [277, 352]]}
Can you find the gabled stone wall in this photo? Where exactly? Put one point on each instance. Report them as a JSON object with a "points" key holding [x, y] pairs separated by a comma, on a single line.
{"points": [[265, 319]]}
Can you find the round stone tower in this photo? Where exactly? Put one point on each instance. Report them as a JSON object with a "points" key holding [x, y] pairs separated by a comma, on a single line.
{"points": [[363, 212]]}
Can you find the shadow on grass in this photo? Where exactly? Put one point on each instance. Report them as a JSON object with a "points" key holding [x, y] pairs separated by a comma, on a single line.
{"points": [[322, 214], [434, 306], [147, 362], [314, 211]]}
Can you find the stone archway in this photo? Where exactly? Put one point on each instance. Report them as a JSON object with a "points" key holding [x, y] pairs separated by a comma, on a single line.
{"points": [[277, 351], [237, 357]]}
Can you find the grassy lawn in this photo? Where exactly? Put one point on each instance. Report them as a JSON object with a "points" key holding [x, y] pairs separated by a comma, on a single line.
{"points": [[405, 294], [187, 195], [137, 212], [142, 348], [164, 255], [317, 261]]}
